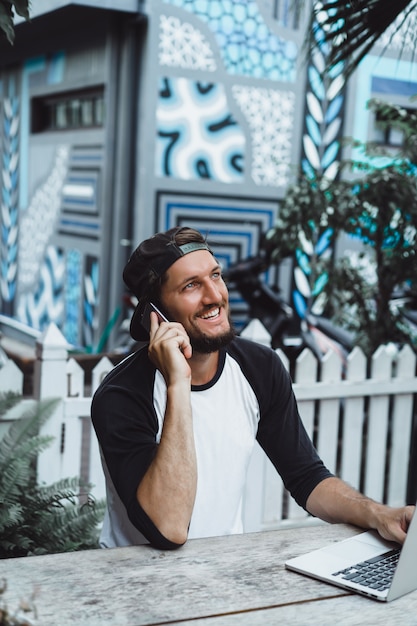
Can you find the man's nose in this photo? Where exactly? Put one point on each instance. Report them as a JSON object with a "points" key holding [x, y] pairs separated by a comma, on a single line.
{"points": [[211, 292]]}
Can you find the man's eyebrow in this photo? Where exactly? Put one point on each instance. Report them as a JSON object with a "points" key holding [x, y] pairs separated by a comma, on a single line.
{"points": [[190, 279]]}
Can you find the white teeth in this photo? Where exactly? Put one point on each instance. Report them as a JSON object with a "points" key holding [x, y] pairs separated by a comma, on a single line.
{"points": [[211, 314]]}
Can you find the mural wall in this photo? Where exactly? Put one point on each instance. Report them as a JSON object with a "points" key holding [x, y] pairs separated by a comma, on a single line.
{"points": [[258, 110], [228, 109], [50, 215], [225, 116]]}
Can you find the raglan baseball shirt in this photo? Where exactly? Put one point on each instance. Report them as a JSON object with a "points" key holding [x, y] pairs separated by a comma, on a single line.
{"points": [[249, 398]]}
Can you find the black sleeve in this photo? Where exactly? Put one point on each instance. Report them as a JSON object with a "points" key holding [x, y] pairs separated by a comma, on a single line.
{"points": [[281, 432], [126, 425], [143, 522], [282, 435]]}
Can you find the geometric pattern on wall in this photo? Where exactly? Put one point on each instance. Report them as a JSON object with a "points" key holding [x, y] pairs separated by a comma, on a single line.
{"points": [[91, 286], [323, 117], [182, 45], [80, 200], [233, 226], [197, 135], [321, 150], [66, 204], [73, 295], [270, 116], [9, 202], [38, 222], [245, 42], [45, 304]]}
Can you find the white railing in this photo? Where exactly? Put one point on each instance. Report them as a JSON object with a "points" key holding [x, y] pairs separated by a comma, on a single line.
{"points": [[361, 424]]}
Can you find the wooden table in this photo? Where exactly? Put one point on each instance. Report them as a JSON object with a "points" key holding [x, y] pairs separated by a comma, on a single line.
{"points": [[224, 581]]}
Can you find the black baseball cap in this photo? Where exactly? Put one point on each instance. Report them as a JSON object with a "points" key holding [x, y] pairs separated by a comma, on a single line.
{"points": [[148, 263]]}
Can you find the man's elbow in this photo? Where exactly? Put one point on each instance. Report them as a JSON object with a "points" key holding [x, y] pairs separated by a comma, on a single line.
{"points": [[167, 540], [162, 533], [174, 533]]}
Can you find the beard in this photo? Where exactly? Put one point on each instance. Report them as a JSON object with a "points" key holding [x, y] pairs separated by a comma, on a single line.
{"points": [[205, 344]]}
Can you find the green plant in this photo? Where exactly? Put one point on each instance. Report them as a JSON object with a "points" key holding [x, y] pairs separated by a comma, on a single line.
{"points": [[7, 11], [375, 209], [39, 519], [383, 219], [310, 219]]}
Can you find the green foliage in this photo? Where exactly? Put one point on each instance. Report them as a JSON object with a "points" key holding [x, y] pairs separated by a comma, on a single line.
{"points": [[310, 210], [377, 208], [403, 120], [7, 10], [383, 217], [39, 519]]}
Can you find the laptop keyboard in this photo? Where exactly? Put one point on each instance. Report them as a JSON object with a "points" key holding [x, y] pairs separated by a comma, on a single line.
{"points": [[376, 573]]}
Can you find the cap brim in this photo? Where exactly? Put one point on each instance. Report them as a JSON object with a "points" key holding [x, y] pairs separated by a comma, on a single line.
{"points": [[137, 331]]}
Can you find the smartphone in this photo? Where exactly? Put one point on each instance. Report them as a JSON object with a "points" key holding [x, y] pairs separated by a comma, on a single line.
{"points": [[146, 315]]}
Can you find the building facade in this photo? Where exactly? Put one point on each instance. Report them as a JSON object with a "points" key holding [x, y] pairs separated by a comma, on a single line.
{"points": [[119, 119]]}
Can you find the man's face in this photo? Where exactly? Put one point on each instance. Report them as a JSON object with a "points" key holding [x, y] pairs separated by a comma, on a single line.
{"points": [[195, 295]]}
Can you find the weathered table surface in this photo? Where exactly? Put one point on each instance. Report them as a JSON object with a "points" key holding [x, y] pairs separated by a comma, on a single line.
{"points": [[237, 580]]}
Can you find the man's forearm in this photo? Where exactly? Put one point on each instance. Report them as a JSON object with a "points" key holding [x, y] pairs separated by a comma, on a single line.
{"points": [[167, 491], [334, 501]]}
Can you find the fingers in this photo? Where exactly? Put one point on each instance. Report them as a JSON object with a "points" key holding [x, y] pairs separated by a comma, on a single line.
{"points": [[172, 331], [154, 324], [169, 347], [395, 523], [407, 515], [409, 511]]}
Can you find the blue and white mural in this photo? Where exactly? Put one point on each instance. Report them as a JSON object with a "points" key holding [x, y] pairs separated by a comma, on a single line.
{"points": [[9, 221], [198, 136], [321, 149], [229, 127], [247, 46]]}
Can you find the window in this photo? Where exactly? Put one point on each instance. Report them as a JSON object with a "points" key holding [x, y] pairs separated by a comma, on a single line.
{"points": [[385, 134], [69, 111], [288, 12]]}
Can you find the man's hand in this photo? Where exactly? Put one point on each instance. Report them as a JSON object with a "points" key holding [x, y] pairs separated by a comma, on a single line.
{"points": [[393, 523], [336, 502], [169, 349]]}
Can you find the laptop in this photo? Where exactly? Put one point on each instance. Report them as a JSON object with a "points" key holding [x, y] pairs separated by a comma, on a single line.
{"points": [[365, 564]]}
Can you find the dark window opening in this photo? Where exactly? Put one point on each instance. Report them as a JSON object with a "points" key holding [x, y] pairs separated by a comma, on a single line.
{"points": [[69, 111], [385, 134], [288, 12]]}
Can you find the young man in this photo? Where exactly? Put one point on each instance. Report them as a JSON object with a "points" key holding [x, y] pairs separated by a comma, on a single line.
{"points": [[177, 420]]}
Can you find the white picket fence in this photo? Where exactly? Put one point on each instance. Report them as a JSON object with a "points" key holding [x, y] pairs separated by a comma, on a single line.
{"points": [[361, 424]]}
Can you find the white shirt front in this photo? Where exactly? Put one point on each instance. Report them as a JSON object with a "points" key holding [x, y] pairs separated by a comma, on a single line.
{"points": [[225, 421]]}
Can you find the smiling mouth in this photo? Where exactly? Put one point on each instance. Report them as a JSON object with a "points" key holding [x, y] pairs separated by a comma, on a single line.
{"points": [[211, 314]]}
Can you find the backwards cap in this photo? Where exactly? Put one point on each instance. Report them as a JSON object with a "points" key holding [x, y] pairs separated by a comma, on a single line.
{"points": [[148, 263]]}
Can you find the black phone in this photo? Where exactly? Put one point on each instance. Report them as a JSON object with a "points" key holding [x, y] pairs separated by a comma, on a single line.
{"points": [[145, 320]]}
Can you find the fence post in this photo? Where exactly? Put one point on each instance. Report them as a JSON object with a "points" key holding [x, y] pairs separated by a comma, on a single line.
{"points": [[401, 431], [50, 381], [256, 331]]}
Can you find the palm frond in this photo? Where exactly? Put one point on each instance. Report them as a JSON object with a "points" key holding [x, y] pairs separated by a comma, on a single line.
{"points": [[31, 418], [350, 29], [19, 448], [40, 519], [8, 400]]}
